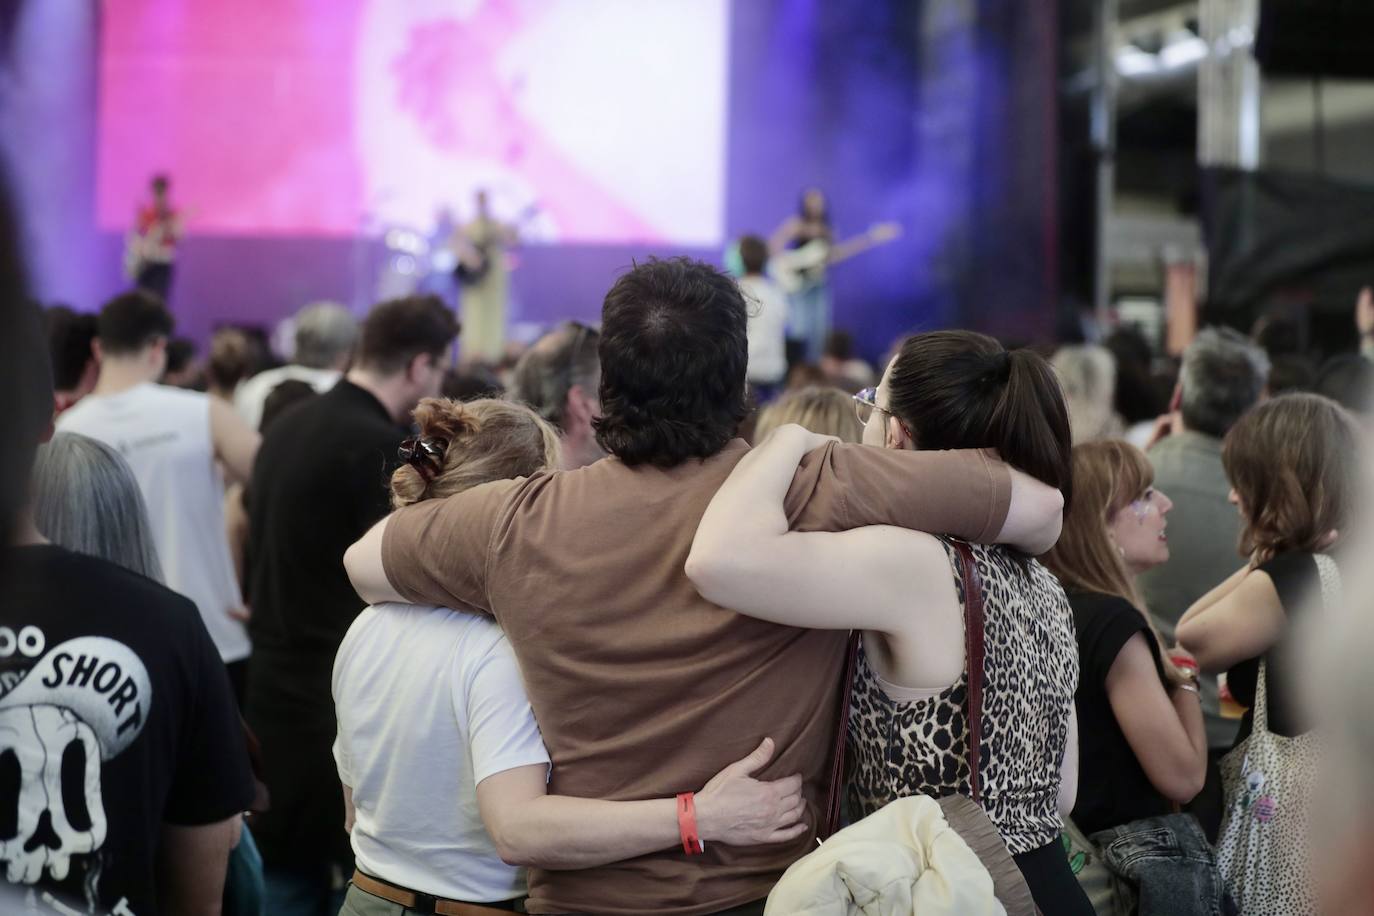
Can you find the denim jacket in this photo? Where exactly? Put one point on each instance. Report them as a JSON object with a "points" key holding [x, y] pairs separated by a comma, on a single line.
{"points": [[1163, 866]]}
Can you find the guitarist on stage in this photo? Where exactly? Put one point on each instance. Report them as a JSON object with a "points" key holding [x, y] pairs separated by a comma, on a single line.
{"points": [[802, 248], [483, 276], [151, 248]]}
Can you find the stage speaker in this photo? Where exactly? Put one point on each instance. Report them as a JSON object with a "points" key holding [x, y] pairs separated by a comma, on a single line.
{"points": [[1316, 38]]}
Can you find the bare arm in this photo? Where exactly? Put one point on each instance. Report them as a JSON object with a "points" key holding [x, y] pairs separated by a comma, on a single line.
{"points": [[744, 556], [782, 235], [1166, 733], [1035, 515], [1227, 586], [350, 813], [235, 442], [1068, 768], [363, 562], [236, 530], [532, 828], [1243, 623], [192, 862]]}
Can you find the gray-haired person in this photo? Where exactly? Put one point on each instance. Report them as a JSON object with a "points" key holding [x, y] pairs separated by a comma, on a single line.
{"points": [[114, 693], [86, 499], [1223, 376], [325, 335], [560, 378]]}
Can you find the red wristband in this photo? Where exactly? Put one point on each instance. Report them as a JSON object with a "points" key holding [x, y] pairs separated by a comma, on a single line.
{"points": [[1183, 661], [687, 824]]}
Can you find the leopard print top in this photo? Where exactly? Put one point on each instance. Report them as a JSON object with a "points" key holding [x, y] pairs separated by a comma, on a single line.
{"points": [[911, 747]]}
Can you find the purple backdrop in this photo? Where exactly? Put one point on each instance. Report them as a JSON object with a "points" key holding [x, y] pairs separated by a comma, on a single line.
{"points": [[939, 116]]}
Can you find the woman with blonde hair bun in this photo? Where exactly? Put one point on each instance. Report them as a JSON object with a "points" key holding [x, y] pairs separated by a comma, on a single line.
{"points": [[445, 774], [1144, 746], [461, 446]]}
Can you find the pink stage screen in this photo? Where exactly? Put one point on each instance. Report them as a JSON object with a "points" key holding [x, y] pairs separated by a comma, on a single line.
{"points": [[588, 120]]}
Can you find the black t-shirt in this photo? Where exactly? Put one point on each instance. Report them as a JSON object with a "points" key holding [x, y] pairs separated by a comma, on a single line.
{"points": [[320, 481], [115, 718], [1297, 580], [1112, 786]]}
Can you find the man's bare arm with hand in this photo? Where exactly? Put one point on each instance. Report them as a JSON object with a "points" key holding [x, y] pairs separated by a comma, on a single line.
{"points": [[363, 562]]}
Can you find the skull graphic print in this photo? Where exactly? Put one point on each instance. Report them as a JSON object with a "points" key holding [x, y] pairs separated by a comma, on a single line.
{"points": [[63, 713]]}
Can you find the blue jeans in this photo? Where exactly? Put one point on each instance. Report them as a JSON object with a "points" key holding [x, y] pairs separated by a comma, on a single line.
{"points": [[303, 891], [1166, 864], [808, 319], [245, 891]]}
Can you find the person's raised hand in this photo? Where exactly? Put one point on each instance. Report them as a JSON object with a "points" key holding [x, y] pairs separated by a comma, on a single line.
{"points": [[1165, 426]]}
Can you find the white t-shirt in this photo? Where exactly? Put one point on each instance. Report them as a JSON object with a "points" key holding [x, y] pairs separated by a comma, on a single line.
{"points": [[251, 396], [429, 704], [164, 434], [767, 310]]}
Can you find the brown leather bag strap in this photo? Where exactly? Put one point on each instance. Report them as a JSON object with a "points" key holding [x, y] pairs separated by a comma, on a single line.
{"points": [[974, 654], [836, 795]]}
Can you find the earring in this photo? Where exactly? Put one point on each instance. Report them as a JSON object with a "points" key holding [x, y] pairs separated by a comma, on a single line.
{"points": [[1121, 550]]}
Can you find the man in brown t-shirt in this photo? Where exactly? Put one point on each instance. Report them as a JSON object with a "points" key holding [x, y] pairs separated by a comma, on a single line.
{"points": [[643, 689]]}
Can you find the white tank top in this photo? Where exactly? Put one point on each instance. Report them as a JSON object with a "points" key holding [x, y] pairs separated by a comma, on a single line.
{"points": [[164, 434]]}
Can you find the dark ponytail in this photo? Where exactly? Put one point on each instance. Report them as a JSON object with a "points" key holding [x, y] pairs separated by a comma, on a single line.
{"points": [[960, 389]]}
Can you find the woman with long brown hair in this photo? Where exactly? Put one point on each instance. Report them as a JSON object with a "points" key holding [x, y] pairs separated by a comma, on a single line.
{"points": [[1294, 465], [1143, 741]]}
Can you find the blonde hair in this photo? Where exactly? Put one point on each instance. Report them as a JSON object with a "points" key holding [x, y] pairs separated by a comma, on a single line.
{"points": [[86, 499], [1295, 463], [1108, 475], [828, 411], [482, 441], [1088, 375]]}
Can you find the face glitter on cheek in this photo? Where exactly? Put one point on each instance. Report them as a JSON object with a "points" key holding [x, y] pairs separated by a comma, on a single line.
{"points": [[1141, 510]]}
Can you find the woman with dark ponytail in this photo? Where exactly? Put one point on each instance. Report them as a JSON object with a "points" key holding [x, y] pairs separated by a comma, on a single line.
{"points": [[908, 723]]}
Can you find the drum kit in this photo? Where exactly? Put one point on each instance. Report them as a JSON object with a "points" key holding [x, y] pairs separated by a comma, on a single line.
{"points": [[414, 261]]}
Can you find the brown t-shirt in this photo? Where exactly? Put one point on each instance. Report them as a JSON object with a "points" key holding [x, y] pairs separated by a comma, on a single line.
{"points": [[642, 688]]}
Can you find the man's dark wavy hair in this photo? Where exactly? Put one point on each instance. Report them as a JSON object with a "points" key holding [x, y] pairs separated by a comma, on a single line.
{"points": [[673, 357]]}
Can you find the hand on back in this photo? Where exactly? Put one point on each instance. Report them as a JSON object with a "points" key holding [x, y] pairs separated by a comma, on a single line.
{"points": [[736, 809]]}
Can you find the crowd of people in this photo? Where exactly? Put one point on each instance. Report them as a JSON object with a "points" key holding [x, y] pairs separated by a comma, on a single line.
{"points": [[363, 632]]}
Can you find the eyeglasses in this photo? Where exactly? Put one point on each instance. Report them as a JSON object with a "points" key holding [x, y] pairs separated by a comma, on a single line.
{"points": [[865, 402]]}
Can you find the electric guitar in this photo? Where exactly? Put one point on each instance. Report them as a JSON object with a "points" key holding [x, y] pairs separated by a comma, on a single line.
{"points": [[149, 245], [804, 266], [474, 261]]}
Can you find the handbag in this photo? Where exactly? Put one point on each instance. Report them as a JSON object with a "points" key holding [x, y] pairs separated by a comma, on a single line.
{"points": [[1263, 849], [974, 825], [1092, 873]]}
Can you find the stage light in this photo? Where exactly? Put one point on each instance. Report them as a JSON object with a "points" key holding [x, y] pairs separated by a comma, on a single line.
{"points": [[1183, 49], [1132, 61]]}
